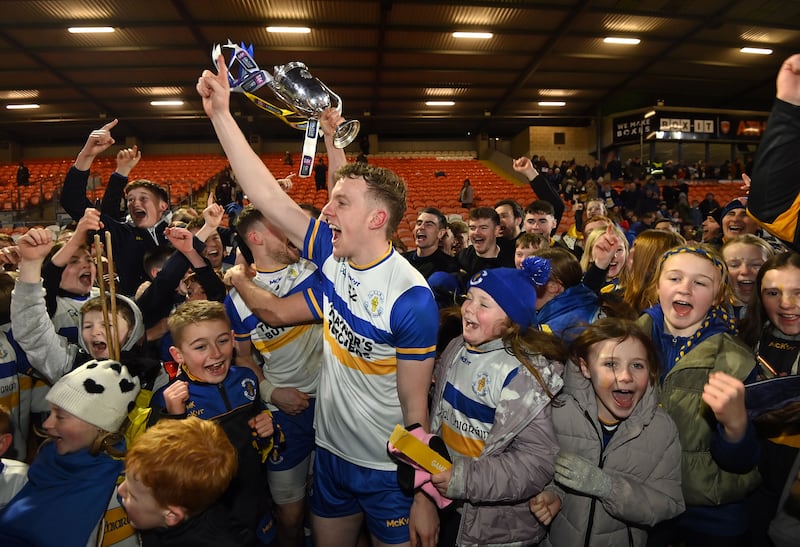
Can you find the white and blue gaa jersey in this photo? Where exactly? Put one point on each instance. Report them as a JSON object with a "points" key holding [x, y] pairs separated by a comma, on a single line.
{"points": [[374, 315], [293, 354]]}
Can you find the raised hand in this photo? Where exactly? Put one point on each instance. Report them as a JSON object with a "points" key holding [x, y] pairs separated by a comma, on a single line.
{"points": [[746, 186], [788, 82], [214, 89], [35, 245], [127, 158], [724, 394], [523, 165], [329, 121], [99, 140], [212, 215], [605, 248], [88, 222], [180, 238]]}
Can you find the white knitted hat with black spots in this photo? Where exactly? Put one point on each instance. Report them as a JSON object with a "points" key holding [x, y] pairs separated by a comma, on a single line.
{"points": [[98, 392]]}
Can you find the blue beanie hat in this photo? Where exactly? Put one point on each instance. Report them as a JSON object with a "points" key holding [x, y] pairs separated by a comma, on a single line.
{"points": [[732, 205], [515, 290]]}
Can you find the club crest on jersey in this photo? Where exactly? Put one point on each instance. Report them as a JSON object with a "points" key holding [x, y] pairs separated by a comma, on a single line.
{"points": [[249, 388], [480, 385], [374, 303]]}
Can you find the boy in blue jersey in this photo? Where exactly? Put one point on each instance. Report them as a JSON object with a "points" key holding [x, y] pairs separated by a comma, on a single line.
{"points": [[380, 323], [207, 386]]}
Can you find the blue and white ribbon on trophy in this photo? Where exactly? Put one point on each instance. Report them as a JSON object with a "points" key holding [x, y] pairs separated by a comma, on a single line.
{"points": [[250, 79]]}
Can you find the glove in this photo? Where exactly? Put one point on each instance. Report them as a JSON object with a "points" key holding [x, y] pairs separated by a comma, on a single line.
{"points": [[581, 475], [410, 475]]}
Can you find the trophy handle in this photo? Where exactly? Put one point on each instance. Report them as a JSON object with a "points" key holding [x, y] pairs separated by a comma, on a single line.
{"points": [[346, 132]]}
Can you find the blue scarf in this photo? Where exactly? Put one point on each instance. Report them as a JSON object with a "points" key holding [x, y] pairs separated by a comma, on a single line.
{"points": [[672, 348], [63, 501]]}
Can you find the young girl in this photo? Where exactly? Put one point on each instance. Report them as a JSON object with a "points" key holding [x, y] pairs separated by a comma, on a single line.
{"points": [[703, 367], [604, 258], [492, 408], [619, 466], [70, 497], [772, 328], [744, 255], [646, 252]]}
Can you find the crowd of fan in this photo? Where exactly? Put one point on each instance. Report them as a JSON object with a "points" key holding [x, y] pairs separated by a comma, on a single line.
{"points": [[631, 380]]}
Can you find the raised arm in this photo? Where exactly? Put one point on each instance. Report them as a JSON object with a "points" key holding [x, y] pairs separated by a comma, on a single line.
{"points": [[773, 199], [127, 159], [73, 194], [252, 175], [329, 121], [47, 352], [541, 186]]}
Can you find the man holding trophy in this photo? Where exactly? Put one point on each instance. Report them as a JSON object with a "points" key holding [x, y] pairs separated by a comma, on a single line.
{"points": [[380, 324]]}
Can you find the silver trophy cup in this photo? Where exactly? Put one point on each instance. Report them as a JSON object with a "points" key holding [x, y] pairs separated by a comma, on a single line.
{"points": [[309, 97]]}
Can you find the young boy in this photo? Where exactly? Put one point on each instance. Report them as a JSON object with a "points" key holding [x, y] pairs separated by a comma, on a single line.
{"points": [[174, 475], [207, 386], [52, 355], [527, 244], [484, 252], [13, 473], [148, 206], [69, 278]]}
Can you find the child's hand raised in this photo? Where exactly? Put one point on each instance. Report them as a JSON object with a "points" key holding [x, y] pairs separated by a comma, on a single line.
{"points": [[35, 244], [99, 140], [181, 238], [127, 159], [175, 398], [545, 506], [213, 213], [605, 248], [89, 221], [724, 394], [262, 424]]}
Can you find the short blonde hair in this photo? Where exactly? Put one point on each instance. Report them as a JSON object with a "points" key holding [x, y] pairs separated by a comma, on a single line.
{"points": [[192, 312]]}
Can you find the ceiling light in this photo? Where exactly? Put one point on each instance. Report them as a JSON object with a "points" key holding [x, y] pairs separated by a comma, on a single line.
{"points": [[168, 102], [289, 30], [618, 40], [440, 103], [552, 103], [21, 106], [90, 30], [481, 35], [649, 114], [756, 50]]}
